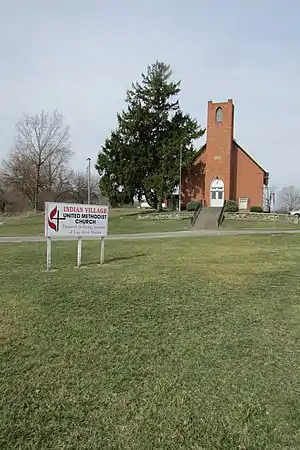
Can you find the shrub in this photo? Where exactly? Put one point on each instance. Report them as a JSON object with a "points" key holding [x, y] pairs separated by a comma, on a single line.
{"points": [[256, 209], [231, 206], [192, 206]]}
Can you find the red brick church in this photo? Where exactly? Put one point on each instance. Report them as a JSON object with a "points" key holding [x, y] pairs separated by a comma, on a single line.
{"points": [[222, 169]]}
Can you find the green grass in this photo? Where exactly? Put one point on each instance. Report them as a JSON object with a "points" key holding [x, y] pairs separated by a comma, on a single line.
{"points": [[125, 221], [121, 221], [244, 224], [172, 344]]}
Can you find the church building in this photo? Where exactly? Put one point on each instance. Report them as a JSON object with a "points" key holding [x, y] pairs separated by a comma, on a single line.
{"points": [[222, 169]]}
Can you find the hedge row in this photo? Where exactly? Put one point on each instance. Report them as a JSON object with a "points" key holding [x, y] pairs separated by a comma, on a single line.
{"points": [[192, 206], [231, 206]]}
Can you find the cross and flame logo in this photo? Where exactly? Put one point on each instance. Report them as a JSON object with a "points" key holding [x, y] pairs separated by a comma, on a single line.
{"points": [[54, 219]]}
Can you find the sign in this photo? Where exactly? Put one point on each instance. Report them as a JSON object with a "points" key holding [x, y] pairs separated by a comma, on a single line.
{"points": [[73, 220], [77, 220]]}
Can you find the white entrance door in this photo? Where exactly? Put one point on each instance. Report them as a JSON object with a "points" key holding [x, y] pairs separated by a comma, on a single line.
{"points": [[217, 193]]}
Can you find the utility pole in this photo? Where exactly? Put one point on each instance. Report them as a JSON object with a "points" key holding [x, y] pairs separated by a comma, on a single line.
{"points": [[89, 181], [180, 165], [36, 191]]}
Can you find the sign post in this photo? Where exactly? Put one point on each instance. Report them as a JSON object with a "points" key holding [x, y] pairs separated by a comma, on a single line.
{"points": [[101, 251], [49, 257], [74, 221], [79, 251]]}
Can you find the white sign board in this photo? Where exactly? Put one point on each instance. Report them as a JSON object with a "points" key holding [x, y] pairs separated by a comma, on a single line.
{"points": [[75, 220]]}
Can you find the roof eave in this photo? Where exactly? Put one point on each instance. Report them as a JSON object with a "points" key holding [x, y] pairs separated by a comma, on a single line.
{"points": [[251, 157], [266, 174], [199, 152]]}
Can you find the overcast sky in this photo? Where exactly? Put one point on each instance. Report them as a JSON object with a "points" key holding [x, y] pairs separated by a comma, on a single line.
{"points": [[81, 56]]}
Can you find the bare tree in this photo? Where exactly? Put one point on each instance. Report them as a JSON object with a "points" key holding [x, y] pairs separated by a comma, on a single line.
{"points": [[79, 185], [41, 155], [18, 171], [55, 179], [11, 199], [289, 198], [3, 197], [268, 198]]}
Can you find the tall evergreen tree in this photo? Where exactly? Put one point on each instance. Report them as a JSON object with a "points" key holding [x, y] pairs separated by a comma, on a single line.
{"points": [[142, 156]]}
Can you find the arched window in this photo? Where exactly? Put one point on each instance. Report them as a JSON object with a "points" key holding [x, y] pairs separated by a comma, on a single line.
{"points": [[219, 115]]}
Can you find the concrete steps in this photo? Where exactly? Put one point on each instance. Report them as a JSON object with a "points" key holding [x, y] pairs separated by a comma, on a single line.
{"points": [[208, 219]]}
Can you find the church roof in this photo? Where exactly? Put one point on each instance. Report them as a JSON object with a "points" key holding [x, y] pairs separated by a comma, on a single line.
{"points": [[251, 157], [201, 150]]}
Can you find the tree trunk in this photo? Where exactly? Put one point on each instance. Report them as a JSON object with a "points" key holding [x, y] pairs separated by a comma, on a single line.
{"points": [[36, 189], [158, 206], [151, 200]]}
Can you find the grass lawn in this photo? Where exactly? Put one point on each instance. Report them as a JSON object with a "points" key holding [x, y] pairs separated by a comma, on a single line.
{"points": [[244, 224], [172, 344], [125, 221], [121, 221]]}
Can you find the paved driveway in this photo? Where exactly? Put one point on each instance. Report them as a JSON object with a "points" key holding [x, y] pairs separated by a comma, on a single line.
{"points": [[171, 234]]}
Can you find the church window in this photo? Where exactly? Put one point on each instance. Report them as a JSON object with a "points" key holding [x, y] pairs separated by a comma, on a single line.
{"points": [[219, 115]]}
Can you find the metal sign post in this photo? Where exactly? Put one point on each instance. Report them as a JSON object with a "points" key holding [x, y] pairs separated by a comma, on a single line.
{"points": [[101, 251], [79, 251], [49, 258]]}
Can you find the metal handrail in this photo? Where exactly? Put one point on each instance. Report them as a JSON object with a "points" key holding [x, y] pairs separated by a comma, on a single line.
{"points": [[221, 216], [196, 214]]}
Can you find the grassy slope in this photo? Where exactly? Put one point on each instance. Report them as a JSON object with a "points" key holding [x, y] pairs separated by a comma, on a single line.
{"points": [[174, 344], [243, 224], [125, 221], [121, 221]]}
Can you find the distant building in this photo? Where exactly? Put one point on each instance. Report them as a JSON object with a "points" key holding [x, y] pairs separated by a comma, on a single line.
{"points": [[222, 169]]}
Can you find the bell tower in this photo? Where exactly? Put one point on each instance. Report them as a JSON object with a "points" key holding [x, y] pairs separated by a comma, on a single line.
{"points": [[219, 153]]}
